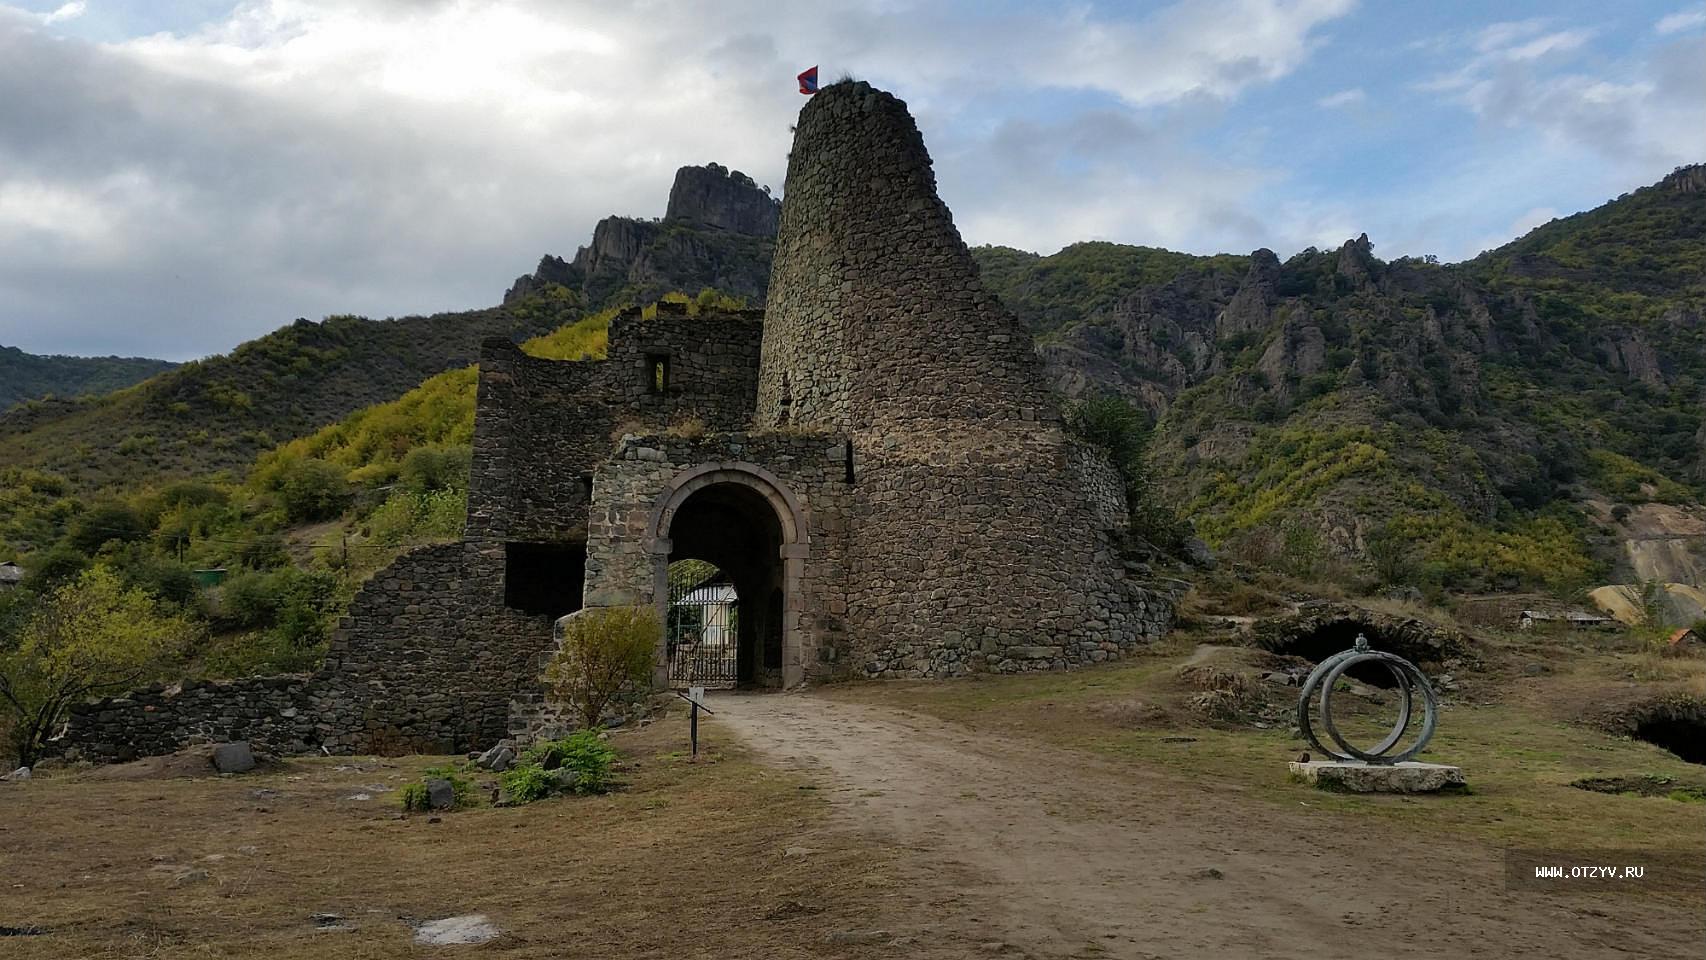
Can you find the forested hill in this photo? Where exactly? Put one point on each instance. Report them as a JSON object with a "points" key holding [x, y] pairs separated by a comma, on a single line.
{"points": [[1468, 419], [27, 376], [219, 413]]}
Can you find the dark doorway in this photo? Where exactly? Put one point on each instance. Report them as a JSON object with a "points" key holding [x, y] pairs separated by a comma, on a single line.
{"points": [[732, 528]]}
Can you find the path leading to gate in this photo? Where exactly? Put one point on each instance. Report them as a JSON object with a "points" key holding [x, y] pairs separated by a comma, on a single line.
{"points": [[1052, 853]]}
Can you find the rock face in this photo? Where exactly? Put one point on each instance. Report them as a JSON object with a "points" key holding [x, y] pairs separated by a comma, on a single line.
{"points": [[717, 232], [715, 196]]}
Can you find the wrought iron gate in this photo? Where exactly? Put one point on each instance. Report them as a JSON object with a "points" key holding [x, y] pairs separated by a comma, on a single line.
{"points": [[703, 633]]}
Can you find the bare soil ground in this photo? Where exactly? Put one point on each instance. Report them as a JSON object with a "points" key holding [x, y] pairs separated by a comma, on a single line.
{"points": [[720, 858], [1068, 844]]}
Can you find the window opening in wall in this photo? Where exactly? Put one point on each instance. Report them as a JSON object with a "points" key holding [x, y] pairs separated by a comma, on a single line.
{"points": [[657, 372], [544, 578]]}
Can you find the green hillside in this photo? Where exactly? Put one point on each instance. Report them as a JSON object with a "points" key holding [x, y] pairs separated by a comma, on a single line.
{"points": [[220, 413], [25, 376]]}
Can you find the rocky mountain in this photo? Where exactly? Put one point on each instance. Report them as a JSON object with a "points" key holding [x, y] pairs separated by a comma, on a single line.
{"points": [[718, 231], [25, 376], [1459, 418]]}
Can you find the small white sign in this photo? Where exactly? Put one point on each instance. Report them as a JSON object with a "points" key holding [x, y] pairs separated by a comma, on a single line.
{"points": [[697, 695]]}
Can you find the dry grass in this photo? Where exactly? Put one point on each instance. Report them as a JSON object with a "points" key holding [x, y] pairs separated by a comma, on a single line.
{"points": [[688, 860], [1519, 751]]}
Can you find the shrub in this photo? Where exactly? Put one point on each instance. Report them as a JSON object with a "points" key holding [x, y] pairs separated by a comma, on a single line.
{"points": [[413, 796], [584, 752], [426, 469], [527, 783], [311, 490], [606, 652], [91, 636], [109, 521]]}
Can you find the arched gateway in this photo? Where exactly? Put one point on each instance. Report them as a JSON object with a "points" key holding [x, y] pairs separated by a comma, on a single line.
{"points": [[747, 523]]}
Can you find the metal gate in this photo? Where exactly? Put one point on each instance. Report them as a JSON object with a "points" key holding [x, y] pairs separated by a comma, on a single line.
{"points": [[703, 633]]}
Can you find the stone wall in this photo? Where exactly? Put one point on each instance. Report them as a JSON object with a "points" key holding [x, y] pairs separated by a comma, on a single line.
{"points": [[542, 425], [428, 658], [625, 556], [276, 714]]}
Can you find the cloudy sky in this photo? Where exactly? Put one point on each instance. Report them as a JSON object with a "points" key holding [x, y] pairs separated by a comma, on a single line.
{"points": [[177, 176]]}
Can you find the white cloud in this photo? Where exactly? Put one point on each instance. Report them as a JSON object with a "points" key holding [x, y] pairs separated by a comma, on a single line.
{"points": [[303, 157], [1680, 21], [1344, 98], [69, 11]]}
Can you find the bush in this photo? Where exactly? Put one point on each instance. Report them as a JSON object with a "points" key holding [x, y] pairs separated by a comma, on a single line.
{"points": [[311, 490], [427, 469], [89, 637], [413, 796], [606, 652], [109, 521], [527, 783], [584, 752]]}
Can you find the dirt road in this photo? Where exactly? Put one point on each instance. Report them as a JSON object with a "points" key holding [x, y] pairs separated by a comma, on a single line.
{"points": [[1056, 854]]}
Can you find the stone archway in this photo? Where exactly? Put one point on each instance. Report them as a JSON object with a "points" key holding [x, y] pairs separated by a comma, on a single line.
{"points": [[744, 520]]}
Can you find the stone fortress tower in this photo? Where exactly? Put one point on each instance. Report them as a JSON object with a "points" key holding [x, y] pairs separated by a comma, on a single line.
{"points": [[979, 535], [872, 462]]}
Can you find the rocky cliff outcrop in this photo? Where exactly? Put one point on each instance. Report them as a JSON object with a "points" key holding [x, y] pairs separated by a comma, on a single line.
{"points": [[719, 230], [715, 196]]}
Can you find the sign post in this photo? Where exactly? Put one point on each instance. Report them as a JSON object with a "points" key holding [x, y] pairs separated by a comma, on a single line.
{"points": [[695, 696]]}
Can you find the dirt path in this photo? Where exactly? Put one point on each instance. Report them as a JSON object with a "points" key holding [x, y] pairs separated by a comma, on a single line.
{"points": [[1059, 855]]}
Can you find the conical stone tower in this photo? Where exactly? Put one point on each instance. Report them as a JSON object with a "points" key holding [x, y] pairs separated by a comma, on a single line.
{"points": [[979, 536]]}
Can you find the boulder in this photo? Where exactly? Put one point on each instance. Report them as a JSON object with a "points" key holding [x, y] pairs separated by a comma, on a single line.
{"points": [[441, 794], [1197, 553], [22, 773], [233, 757], [497, 759]]}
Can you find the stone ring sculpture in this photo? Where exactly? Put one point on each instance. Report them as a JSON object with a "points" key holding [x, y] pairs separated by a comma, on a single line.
{"points": [[1409, 678]]}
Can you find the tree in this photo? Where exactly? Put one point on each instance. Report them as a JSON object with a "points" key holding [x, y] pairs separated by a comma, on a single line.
{"points": [[313, 490], [107, 521], [606, 652], [89, 637]]}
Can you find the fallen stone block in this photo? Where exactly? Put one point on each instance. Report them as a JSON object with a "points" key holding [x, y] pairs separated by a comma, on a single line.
{"points": [[1356, 777], [233, 757]]}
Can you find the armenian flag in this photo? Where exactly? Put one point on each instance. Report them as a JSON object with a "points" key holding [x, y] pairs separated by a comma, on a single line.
{"points": [[808, 82]]}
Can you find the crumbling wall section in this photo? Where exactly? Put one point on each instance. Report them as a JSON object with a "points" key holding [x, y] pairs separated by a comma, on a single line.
{"points": [[275, 714]]}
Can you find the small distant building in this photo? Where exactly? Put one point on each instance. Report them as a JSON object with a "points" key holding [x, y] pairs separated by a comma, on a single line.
{"points": [[11, 575], [1578, 619], [1686, 637]]}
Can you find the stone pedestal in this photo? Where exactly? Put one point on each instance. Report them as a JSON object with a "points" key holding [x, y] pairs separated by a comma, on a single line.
{"points": [[1356, 777]]}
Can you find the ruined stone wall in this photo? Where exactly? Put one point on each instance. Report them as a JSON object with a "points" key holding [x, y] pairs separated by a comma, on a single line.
{"points": [[980, 536], [276, 714], [428, 659], [622, 564], [712, 367], [539, 427], [542, 425]]}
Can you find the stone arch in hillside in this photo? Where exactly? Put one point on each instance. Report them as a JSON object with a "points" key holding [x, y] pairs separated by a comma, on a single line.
{"points": [[743, 519]]}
